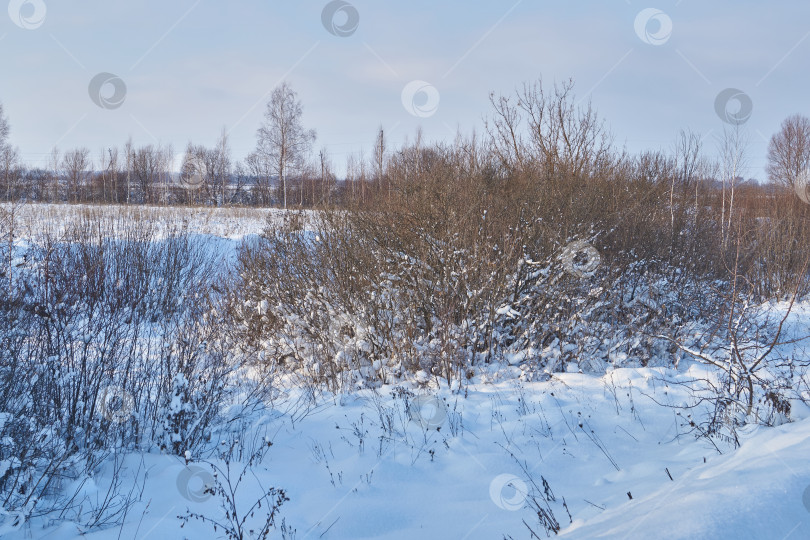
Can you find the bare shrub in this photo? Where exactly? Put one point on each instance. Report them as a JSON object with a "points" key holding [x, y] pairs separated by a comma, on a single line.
{"points": [[453, 263], [117, 334]]}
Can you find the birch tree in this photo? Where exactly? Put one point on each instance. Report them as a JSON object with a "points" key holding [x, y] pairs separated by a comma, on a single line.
{"points": [[283, 143], [733, 147]]}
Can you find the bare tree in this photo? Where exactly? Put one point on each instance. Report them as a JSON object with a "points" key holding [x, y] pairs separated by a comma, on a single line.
{"points": [[222, 170], [9, 158], [362, 178], [129, 152], [54, 160], [733, 146], [4, 129], [789, 151], [380, 157], [688, 148], [560, 134], [505, 133], [197, 172], [258, 169], [107, 180], [149, 167], [113, 172], [352, 174], [11, 171], [240, 178], [326, 177], [76, 164], [282, 140], [211, 170]]}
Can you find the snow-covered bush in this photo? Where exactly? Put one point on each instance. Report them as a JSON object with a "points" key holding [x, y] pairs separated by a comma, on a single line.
{"points": [[465, 266], [110, 340]]}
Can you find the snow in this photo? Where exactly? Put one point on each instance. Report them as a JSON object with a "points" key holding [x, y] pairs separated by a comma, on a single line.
{"points": [[360, 466], [755, 492], [227, 223], [606, 455]]}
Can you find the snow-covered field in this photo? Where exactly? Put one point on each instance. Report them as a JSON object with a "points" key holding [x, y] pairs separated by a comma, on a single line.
{"points": [[611, 455], [231, 223], [470, 465]]}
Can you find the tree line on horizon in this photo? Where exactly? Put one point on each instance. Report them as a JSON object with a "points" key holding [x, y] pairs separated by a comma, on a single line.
{"points": [[283, 171]]}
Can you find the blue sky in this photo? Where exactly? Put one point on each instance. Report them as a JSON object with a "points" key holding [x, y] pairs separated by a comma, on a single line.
{"points": [[193, 67]]}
